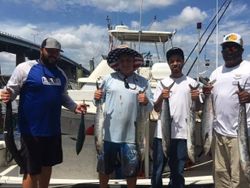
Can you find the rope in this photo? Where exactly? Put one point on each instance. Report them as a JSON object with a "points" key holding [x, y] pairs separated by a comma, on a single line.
{"points": [[191, 167]]}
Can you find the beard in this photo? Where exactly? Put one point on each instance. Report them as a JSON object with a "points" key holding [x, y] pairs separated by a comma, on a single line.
{"points": [[50, 61]]}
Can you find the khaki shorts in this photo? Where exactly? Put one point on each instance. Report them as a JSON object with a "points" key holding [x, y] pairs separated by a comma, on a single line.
{"points": [[227, 171]]}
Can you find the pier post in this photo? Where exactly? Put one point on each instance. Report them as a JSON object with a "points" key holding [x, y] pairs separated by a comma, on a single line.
{"points": [[20, 57]]}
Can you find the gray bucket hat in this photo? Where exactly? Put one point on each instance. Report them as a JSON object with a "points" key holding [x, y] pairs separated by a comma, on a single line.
{"points": [[51, 43]]}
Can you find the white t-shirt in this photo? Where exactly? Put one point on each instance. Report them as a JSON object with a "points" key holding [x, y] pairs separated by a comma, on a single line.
{"points": [[225, 98], [180, 102]]}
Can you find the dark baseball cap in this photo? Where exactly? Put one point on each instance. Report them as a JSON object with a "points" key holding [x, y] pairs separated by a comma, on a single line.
{"points": [[51, 43], [174, 51]]}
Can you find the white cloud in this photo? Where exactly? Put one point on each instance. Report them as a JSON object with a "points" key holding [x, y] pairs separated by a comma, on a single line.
{"points": [[108, 5], [86, 41], [80, 43], [236, 9], [7, 57], [233, 21], [47, 4], [7, 63], [129, 5], [189, 15]]}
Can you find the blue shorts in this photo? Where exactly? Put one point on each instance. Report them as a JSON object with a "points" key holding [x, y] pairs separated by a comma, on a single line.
{"points": [[118, 153], [40, 151]]}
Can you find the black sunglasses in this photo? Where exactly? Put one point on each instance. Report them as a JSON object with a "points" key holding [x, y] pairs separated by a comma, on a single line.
{"points": [[127, 86]]}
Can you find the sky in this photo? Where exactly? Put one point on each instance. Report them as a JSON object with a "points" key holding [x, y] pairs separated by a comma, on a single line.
{"points": [[81, 26]]}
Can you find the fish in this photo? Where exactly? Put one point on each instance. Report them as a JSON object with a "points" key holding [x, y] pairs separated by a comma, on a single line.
{"points": [[207, 119], [191, 129], [80, 135], [9, 136], [142, 121], [243, 138], [166, 121], [99, 123]]}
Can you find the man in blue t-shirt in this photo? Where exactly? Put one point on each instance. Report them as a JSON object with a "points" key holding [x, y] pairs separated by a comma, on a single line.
{"points": [[42, 87], [121, 93]]}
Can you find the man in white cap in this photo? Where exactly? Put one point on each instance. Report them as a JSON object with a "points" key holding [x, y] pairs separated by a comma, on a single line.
{"points": [[42, 87], [227, 98], [120, 91]]}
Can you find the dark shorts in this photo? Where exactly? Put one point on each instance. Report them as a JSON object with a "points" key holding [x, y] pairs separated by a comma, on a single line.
{"points": [[119, 153], [40, 151]]}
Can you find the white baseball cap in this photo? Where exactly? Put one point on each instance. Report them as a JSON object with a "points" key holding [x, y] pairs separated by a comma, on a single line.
{"points": [[233, 37]]}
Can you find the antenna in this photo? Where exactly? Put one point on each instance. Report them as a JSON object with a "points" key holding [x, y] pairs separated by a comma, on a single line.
{"points": [[207, 60], [198, 26], [140, 23], [217, 35], [109, 23], [154, 20], [111, 43], [91, 65]]}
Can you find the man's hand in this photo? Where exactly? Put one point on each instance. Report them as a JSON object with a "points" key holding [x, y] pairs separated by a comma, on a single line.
{"points": [[142, 98], [81, 108], [207, 89], [194, 94], [244, 97], [5, 95], [98, 94], [165, 93]]}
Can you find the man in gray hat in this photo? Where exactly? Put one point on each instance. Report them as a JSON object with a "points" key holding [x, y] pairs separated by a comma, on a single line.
{"points": [[42, 87]]}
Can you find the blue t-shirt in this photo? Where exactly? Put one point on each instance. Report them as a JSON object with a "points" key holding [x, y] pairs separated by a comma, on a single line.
{"points": [[42, 93], [121, 106]]}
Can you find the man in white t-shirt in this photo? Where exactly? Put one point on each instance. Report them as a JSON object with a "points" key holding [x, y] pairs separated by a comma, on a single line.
{"points": [[180, 97], [226, 100]]}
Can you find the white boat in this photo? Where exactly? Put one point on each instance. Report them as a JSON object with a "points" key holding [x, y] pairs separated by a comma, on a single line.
{"points": [[81, 169], [154, 69], [151, 70]]}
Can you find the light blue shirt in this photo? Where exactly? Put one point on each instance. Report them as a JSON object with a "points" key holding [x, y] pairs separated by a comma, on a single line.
{"points": [[121, 105]]}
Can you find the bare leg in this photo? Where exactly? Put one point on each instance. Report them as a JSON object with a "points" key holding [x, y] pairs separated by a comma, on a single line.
{"points": [[44, 177], [131, 182], [39, 180], [104, 179], [30, 181]]}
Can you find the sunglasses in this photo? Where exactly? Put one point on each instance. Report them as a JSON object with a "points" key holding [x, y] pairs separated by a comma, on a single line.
{"points": [[231, 48], [127, 86]]}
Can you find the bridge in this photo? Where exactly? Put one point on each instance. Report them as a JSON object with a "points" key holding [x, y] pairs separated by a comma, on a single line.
{"points": [[25, 49]]}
